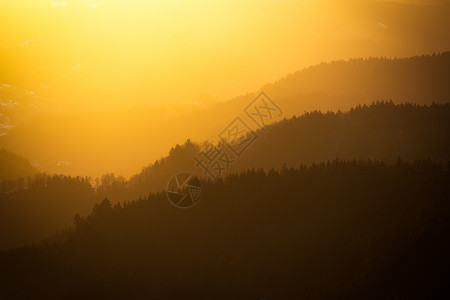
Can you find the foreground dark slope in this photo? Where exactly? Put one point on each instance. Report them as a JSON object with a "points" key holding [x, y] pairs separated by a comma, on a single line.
{"points": [[345, 230]]}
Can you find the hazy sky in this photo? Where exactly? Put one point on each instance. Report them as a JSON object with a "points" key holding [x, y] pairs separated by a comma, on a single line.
{"points": [[81, 55], [151, 52]]}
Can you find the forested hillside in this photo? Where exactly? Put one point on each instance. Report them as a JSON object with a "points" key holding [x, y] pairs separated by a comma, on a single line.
{"points": [[382, 131], [122, 140], [38, 206], [340, 230], [226, 149], [345, 84]]}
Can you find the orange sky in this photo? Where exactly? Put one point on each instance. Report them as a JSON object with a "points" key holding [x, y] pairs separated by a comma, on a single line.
{"points": [[151, 52], [100, 55]]}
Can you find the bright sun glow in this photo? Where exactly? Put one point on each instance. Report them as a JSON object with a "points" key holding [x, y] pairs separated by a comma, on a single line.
{"points": [[135, 66], [150, 52]]}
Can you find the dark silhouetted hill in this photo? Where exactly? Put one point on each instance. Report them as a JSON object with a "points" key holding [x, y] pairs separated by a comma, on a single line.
{"points": [[37, 206], [340, 230], [32, 208], [13, 166], [345, 84], [382, 131]]}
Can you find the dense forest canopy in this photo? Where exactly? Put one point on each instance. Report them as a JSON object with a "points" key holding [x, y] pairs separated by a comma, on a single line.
{"points": [[340, 230], [382, 130]]}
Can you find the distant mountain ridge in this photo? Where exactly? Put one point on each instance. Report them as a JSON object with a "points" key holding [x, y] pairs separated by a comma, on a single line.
{"points": [[382, 131], [344, 84], [13, 166], [326, 87]]}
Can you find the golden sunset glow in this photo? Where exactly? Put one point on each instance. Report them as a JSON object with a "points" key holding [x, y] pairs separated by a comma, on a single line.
{"points": [[102, 68], [224, 149]]}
